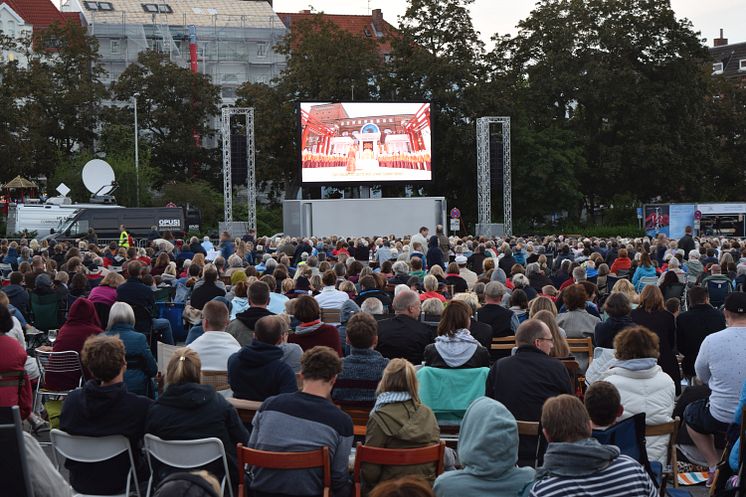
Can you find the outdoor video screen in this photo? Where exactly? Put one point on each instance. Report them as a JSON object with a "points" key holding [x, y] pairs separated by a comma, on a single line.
{"points": [[363, 142]]}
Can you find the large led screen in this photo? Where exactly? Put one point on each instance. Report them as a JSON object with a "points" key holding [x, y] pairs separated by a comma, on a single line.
{"points": [[363, 142]]}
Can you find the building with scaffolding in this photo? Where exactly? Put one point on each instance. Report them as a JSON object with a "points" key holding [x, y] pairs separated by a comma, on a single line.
{"points": [[235, 39]]}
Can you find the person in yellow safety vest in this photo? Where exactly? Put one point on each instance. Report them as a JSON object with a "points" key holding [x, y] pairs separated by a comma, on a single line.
{"points": [[123, 237]]}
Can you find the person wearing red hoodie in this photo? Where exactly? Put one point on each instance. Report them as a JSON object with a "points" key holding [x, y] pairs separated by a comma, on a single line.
{"points": [[621, 263], [13, 358], [82, 322]]}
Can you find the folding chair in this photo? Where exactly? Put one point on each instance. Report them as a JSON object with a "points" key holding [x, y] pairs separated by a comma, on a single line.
{"points": [[648, 281], [581, 346], [528, 432], [45, 310], [284, 460], [164, 294], [610, 282], [64, 364], [186, 454], [103, 313], [397, 457], [717, 291], [93, 450], [629, 436], [14, 469], [246, 408], [672, 429]]}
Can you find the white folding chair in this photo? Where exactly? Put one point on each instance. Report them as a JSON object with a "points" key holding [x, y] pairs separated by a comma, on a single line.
{"points": [[56, 363], [186, 454], [94, 449], [648, 281]]}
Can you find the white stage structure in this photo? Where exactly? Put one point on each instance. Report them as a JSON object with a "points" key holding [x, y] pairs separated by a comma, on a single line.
{"points": [[484, 178], [227, 113]]}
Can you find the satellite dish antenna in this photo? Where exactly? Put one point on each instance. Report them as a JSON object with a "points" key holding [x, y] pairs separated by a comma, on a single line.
{"points": [[98, 177]]}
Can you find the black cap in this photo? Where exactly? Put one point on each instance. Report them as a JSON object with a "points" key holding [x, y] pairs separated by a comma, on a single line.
{"points": [[736, 302]]}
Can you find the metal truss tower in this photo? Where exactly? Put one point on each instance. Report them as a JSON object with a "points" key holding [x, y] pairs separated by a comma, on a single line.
{"points": [[484, 174], [250, 164]]}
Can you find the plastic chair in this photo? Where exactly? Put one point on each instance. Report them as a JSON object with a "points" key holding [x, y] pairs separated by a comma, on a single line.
{"points": [[45, 309], [397, 457], [62, 363], [14, 469], [186, 454], [284, 460], [93, 450]]}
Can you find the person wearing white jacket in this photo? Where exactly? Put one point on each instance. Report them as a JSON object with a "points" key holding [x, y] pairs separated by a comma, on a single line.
{"points": [[642, 384]]}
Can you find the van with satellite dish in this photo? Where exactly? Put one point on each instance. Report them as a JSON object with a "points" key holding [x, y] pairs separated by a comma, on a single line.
{"points": [[138, 222], [43, 218]]}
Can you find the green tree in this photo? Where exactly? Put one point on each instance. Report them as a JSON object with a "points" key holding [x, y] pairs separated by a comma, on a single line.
{"points": [[199, 193], [625, 78], [173, 106], [325, 63], [63, 96], [14, 155]]}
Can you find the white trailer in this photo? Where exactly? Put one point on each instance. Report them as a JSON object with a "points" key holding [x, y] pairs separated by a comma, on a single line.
{"points": [[43, 218]]}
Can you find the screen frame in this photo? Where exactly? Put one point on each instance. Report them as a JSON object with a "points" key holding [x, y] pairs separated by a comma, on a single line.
{"points": [[343, 184]]}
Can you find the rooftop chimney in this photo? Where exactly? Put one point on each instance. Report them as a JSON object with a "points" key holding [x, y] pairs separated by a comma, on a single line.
{"points": [[720, 42], [377, 15]]}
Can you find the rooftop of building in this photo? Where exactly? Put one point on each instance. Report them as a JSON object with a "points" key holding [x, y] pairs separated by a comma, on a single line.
{"points": [[40, 13], [731, 55]]}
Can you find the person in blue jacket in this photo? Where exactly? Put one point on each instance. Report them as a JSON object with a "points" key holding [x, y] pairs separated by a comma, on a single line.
{"points": [[141, 366]]}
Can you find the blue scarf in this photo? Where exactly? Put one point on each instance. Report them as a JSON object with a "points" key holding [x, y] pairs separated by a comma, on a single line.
{"points": [[390, 398]]}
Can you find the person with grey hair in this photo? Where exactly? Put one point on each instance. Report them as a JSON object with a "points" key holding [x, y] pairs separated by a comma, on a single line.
{"points": [[579, 274], [404, 335], [521, 282], [673, 266], [401, 273], [502, 320], [372, 305], [693, 266], [142, 367], [523, 381]]}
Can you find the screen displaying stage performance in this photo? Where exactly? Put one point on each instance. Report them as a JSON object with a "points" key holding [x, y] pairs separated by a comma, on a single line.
{"points": [[359, 142]]}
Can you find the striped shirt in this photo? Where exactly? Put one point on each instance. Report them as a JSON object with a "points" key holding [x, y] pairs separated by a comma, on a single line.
{"points": [[624, 477]]}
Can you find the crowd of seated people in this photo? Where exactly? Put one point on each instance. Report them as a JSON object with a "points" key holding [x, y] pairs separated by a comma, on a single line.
{"points": [[313, 328]]}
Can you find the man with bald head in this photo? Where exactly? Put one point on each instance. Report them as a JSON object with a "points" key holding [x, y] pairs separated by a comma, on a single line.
{"points": [[523, 381], [404, 335]]}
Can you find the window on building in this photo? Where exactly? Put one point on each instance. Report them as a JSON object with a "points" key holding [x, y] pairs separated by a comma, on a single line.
{"points": [[742, 65], [367, 33], [90, 5], [105, 6], [115, 47], [261, 49], [165, 8], [149, 7], [717, 68]]}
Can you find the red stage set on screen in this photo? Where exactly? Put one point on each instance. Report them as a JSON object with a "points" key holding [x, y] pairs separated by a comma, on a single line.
{"points": [[365, 142]]}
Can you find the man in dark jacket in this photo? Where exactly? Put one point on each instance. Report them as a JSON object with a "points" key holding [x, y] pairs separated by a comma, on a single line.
{"points": [[686, 242], [242, 328], [523, 382], [404, 335], [133, 291], [502, 320], [369, 289], [17, 295], [208, 290], [694, 325], [101, 408], [257, 371]]}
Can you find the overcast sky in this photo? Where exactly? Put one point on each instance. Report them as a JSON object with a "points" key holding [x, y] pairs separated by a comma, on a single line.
{"points": [[501, 16]]}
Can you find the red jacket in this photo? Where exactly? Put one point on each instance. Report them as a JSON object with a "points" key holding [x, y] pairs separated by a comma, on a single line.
{"points": [[13, 358], [309, 335], [82, 322], [620, 264]]}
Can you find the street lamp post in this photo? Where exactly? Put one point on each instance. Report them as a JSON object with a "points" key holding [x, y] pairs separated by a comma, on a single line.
{"points": [[137, 155]]}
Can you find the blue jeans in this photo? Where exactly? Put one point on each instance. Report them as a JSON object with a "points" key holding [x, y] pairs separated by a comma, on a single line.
{"points": [[163, 326]]}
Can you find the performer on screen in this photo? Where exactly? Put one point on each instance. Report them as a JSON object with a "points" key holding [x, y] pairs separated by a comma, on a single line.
{"points": [[351, 159]]}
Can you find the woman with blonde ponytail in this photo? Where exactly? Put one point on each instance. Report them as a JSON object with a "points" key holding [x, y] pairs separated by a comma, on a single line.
{"points": [[399, 421], [188, 410]]}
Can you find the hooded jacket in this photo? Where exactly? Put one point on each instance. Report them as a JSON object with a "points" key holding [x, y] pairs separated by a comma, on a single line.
{"points": [[458, 351], [400, 425], [96, 411], [189, 411], [242, 328], [18, 297], [309, 335], [258, 371], [82, 322], [488, 451], [645, 388]]}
